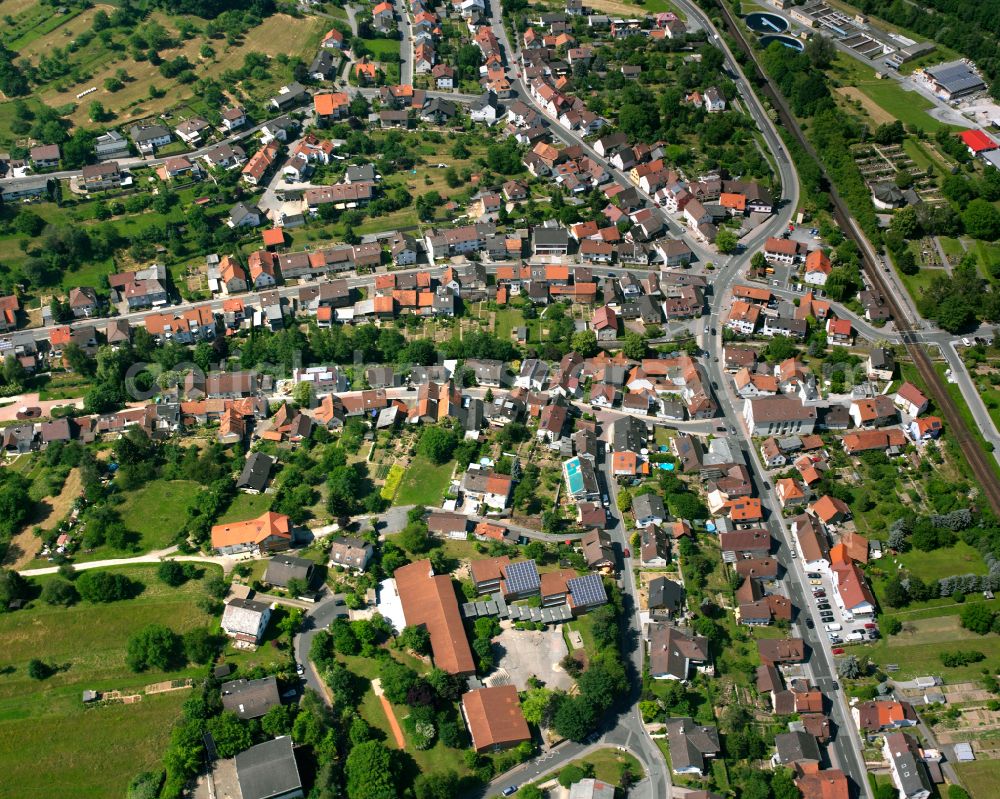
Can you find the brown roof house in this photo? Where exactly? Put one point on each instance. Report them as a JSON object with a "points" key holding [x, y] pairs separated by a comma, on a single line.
{"points": [[429, 600], [691, 746], [494, 718], [673, 654], [351, 553]]}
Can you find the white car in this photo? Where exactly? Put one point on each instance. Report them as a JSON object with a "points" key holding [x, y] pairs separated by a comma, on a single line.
{"points": [[794, 553]]}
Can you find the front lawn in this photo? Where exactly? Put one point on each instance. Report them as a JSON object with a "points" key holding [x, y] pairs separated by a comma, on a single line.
{"points": [[424, 483]]}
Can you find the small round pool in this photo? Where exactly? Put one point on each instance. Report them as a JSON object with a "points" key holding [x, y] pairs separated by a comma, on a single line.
{"points": [[766, 23], [788, 41]]}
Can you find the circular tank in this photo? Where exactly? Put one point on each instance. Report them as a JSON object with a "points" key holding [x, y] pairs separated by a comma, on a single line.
{"points": [[760, 22], [788, 41]]}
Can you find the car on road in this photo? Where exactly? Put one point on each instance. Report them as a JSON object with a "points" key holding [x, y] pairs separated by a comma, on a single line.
{"points": [[510, 790], [715, 385], [300, 669], [604, 500], [794, 554], [713, 331], [707, 328], [767, 486], [627, 552], [810, 624], [732, 430]]}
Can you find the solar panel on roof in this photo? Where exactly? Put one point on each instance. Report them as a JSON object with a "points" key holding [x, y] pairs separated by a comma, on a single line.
{"points": [[587, 590], [522, 577]]}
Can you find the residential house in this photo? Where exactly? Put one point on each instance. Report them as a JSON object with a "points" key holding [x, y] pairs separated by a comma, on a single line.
{"points": [[691, 746], [351, 552], [245, 620], [675, 654], [906, 764], [270, 532], [148, 137]]}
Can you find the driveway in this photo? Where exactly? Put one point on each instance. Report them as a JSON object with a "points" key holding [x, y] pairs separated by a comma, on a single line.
{"points": [[317, 618], [11, 405]]}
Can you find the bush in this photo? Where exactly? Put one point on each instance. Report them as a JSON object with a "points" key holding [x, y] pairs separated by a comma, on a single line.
{"points": [[38, 669], [100, 586], [172, 573], [155, 646], [60, 592], [961, 657]]}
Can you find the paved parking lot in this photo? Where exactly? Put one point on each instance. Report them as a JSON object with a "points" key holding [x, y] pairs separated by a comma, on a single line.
{"points": [[527, 653], [847, 622]]}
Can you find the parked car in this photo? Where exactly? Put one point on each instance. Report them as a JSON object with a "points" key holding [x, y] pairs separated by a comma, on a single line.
{"points": [[510, 790], [814, 575], [838, 651], [823, 606], [819, 594]]}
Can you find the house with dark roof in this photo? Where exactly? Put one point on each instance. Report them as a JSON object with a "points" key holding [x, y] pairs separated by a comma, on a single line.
{"points": [[269, 771], [665, 597], [909, 772], [691, 746], [250, 699], [256, 472], [795, 747], [675, 654], [281, 569]]}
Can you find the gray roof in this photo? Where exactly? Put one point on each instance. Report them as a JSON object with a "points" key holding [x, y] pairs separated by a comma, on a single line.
{"points": [[665, 594], [629, 433], [243, 615], [955, 76], [648, 505], [282, 568], [250, 699], [256, 472], [794, 747], [690, 743], [550, 236], [268, 770], [364, 172], [148, 132], [910, 769]]}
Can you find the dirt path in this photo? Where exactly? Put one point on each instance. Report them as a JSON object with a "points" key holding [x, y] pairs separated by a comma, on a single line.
{"points": [[873, 109], [25, 546], [397, 731]]}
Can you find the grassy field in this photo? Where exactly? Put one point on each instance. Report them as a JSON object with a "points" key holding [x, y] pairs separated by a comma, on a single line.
{"points": [[278, 34], [383, 49], [64, 750], [979, 778], [957, 559], [908, 107], [424, 483], [157, 511], [246, 506], [917, 648], [608, 765]]}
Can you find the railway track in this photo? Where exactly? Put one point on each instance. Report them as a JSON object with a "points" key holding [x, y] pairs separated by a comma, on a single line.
{"points": [[978, 459]]}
